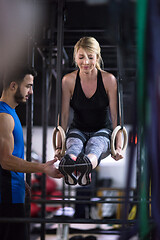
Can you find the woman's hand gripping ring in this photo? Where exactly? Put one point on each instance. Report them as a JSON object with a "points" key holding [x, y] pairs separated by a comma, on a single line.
{"points": [[63, 138], [113, 138]]}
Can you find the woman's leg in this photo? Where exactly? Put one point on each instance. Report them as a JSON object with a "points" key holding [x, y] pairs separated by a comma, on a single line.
{"points": [[99, 143], [73, 147], [75, 143]]}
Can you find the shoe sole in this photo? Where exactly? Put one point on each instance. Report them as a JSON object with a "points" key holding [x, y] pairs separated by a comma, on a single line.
{"points": [[84, 166], [67, 167]]}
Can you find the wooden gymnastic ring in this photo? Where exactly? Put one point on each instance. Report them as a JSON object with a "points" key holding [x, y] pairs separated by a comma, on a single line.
{"points": [[63, 138], [113, 137]]}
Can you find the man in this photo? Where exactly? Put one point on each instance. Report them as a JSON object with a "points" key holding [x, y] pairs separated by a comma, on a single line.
{"points": [[16, 89]]}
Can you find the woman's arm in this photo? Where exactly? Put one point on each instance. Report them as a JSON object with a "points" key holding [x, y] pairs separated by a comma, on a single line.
{"points": [[111, 89], [66, 96], [67, 91]]}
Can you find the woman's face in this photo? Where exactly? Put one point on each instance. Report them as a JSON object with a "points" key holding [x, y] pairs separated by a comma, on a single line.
{"points": [[86, 60]]}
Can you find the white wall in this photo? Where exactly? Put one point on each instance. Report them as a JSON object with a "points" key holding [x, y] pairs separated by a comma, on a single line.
{"points": [[37, 136]]}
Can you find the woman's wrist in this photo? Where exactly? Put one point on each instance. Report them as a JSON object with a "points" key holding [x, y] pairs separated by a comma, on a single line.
{"points": [[58, 148], [119, 147]]}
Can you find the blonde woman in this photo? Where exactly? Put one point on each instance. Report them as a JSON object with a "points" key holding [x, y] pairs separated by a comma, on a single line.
{"points": [[92, 93]]}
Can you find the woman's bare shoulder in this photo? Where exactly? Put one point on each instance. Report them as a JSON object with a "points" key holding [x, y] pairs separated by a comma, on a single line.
{"points": [[69, 77], [108, 79], [68, 81]]}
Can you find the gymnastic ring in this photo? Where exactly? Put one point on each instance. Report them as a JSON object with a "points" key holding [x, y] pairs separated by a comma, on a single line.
{"points": [[63, 138], [113, 137]]}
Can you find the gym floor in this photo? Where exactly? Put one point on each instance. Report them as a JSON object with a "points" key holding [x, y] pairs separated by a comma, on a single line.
{"points": [[83, 228], [98, 237], [70, 237]]}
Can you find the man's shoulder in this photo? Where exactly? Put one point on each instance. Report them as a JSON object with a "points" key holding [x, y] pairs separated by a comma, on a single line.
{"points": [[6, 121]]}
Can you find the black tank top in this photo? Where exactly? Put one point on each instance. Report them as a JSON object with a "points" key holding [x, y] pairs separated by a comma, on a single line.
{"points": [[90, 114]]}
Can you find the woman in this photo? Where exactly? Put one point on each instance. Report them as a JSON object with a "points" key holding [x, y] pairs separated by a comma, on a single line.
{"points": [[92, 93]]}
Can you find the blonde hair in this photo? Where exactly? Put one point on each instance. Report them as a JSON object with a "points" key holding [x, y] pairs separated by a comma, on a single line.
{"points": [[92, 45]]}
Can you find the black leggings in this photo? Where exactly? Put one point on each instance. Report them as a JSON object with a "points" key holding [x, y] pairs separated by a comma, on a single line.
{"points": [[91, 143], [13, 231]]}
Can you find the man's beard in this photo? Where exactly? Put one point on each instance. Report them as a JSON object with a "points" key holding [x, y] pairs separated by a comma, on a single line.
{"points": [[18, 96]]}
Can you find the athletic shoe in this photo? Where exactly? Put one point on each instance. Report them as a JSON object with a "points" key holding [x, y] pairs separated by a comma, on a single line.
{"points": [[84, 167], [67, 168]]}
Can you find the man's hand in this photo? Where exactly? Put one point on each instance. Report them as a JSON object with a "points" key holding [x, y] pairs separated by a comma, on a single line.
{"points": [[51, 170]]}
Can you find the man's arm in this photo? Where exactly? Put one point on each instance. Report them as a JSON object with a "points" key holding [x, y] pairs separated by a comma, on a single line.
{"points": [[12, 163]]}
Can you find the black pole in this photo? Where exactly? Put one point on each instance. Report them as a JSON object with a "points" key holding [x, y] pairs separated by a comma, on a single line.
{"points": [[29, 126], [120, 76], [60, 35], [44, 125], [29, 114], [29, 122]]}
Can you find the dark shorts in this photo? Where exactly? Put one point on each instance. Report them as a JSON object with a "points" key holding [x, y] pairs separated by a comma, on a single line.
{"points": [[13, 231], [85, 136]]}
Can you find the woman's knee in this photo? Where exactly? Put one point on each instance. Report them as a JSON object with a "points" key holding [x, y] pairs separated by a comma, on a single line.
{"points": [[74, 146], [73, 142], [100, 142]]}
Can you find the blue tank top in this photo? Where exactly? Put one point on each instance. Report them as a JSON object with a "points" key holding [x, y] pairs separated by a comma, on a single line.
{"points": [[12, 185], [90, 114]]}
